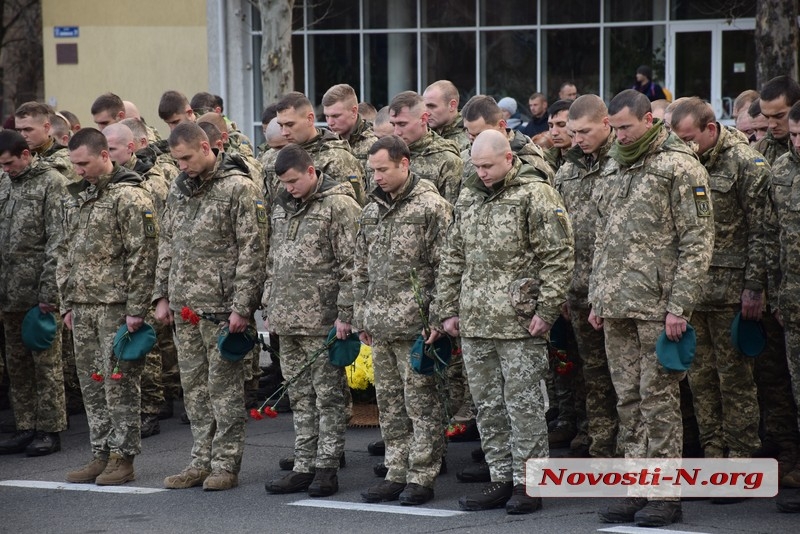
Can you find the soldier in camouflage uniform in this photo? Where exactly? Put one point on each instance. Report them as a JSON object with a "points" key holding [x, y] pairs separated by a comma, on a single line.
{"points": [[31, 195], [226, 144], [121, 148], [331, 155], [441, 100], [155, 154], [655, 236], [401, 230], [578, 179], [309, 290], [32, 120], [274, 142], [340, 105], [105, 280], [107, 108], [212, 260], [503, 278], [559, 133], [236, 141], [721, 379], [783, 231], [432, 157], [777, 96], [132, 112]]}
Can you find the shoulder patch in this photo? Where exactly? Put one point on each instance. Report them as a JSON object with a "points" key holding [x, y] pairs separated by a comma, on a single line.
{"points": [[701, 201], [261, 212], [759, 161], [149, 223]]}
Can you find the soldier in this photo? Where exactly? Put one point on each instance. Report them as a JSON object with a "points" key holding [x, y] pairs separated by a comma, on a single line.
{"points": [[32, 120], [314, 222], [174, 108], [432, 157], [340, 105], [511, 230], [331, 155], [60, 130], [105, 280], [785, 302], [401, 230], [132, 112], [107, 109], [275, 141], [578, 180], [722, 379], [567, 91], [653, 247], [151, 153], [777, 96], [31, 195], [233, 147], [217, 272], [560, 134], [74, 121], [381, 125], [441, 100], [203, 103]]}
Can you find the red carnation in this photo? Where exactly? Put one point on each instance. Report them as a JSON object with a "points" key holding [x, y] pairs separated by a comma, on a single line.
{"points": [[270, 412], [256, 414], [189, 316], [97, 377], [116, 376]]}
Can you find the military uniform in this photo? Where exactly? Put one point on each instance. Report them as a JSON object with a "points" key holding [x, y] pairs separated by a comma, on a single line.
{"points": [[721, 379], [516, 231], [106, 275], [272, 186], [772, 148], [308, 287], [438, 160], [30, 236], [652, 251], [454, 131], [578, 181], [57, 157], [361, 140], [396, 236], [212, 259], [522, 147]]}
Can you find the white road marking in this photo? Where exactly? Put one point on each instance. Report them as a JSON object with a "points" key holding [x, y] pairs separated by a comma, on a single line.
{"points": [[43, 484], [385, 508], [645, 530]]}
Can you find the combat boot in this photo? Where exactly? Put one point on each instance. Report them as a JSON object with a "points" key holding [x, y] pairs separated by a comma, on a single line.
{"points": [[623, 511], [561, 437], [385, 491], [478, 455], [376, 448], [18, 442], [89, 472], [522, 503], [150, 426], [188, 478], [494, 495], [325, 483], [43, 444], [475, 473], [119, 470], [658, 514], [415, 494], [292, 483], [220, 480]]}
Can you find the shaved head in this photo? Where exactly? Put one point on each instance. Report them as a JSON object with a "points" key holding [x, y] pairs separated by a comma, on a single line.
{"points": [[491, 154], [121, 145], [215, 119], [118, 131], [490, 142], [131, 111]]}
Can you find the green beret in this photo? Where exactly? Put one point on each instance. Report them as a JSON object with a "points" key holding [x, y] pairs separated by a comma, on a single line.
{"points": [[422, 362], [132, 346], [343, 352], [38, 329], [677, 355], [235, 346], [748, 336]]}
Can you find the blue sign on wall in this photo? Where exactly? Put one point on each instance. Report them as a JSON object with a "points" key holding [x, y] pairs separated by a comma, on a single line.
{"points": [[65, 31]]}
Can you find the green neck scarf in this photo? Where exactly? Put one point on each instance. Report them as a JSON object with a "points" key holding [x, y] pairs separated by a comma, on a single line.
{"points": [[630, 154]]}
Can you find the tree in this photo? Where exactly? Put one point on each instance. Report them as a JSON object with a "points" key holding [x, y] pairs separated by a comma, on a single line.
{"points": [[776, 39], [21, 57], [277, 71]]}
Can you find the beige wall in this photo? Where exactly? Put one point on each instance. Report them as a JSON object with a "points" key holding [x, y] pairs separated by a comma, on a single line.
{"points": [[135, 48]]}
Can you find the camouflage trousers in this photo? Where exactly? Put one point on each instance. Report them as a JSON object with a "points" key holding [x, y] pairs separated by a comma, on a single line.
{"points": [[36, 379], [156, 375], [774, 379], [213, 393], [410, 415], [318, 404], [601, 399], [112, 406], [504, 378], [72, 386], [648, 396], [723, 388], [457, 394]]}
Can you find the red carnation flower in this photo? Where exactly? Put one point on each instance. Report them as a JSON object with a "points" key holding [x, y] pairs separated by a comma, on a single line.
{"points": [[116, 376], [256, 414], [189, 316], [97, 377], [270, 412]]}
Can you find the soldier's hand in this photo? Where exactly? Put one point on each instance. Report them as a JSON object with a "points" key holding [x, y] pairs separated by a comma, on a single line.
{"points": [[365, 338], [778, 317], [133, 322], [675, 327], [595, 321], [46, 307], [236, 323], [68, 319], [435, 334], [163, 314], [538, 326], [342, 329], [452, 325], [752, 304]]}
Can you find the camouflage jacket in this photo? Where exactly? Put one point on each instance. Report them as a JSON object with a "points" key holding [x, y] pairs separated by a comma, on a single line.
{"points": [[162, 158], [212, 255], [578, 181], [112, 244], [310, 264], [31, 215], [522, 147], [332, 156], [361, 140], [554, 157], [237, 141], [784, 228], [772, 148], [154, 181], [394, 237], [272, 186], [438, 160], [516, 230], [454, 131], [655, 234], [739, 181], [57, 157]]}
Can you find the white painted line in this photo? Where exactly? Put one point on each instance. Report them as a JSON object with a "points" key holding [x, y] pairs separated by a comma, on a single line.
{"points": [[43, 484], [645, 530], [385, 508]]}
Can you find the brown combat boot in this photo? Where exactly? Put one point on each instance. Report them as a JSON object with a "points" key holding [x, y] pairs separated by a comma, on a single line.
{"points": [[188, 478], [220, 479], [118, 471], [89, 472]]}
